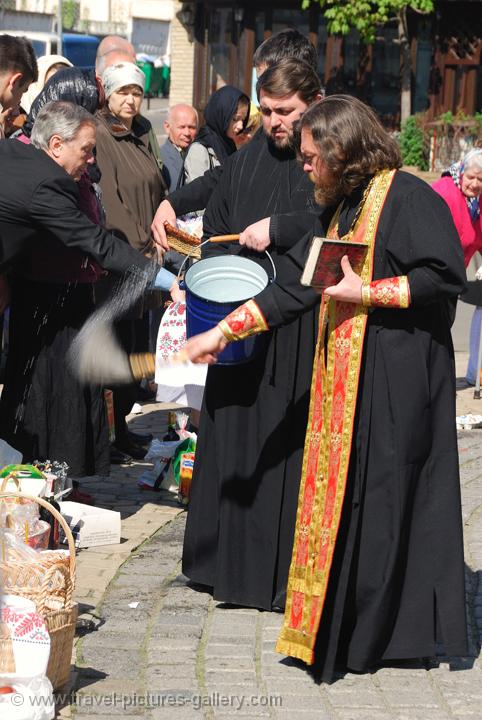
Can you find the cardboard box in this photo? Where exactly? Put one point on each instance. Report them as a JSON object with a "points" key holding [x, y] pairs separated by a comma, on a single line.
{"points": [[92, 525]]}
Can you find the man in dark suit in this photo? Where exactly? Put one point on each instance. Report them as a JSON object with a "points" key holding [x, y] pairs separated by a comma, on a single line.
{"points": [[41, 195], [181, 126]]}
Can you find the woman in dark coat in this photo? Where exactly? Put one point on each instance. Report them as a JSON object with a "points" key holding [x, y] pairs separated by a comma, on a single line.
{"points": [[132, 188]]}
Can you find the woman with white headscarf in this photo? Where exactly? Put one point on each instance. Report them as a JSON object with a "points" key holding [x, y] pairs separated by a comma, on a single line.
{"points": [[461, 186], [132, 188], [47, 67]]}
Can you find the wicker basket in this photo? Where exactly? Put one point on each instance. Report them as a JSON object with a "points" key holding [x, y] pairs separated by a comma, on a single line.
{"points": [[7, 660], [50, 584], [193, 249], [10, 502]]}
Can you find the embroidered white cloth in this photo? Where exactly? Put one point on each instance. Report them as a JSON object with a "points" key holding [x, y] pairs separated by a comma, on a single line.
{"points": [[183, 383]]}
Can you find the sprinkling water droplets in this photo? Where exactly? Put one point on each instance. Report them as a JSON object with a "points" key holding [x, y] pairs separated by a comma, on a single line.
{"points": [[95, 355]]}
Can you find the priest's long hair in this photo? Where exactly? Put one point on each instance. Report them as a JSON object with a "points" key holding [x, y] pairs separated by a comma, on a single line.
{"points": [[353, 144]]}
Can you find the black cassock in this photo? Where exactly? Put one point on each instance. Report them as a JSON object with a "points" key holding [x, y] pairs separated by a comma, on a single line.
{"points": [[396, 587], [242, 511]]}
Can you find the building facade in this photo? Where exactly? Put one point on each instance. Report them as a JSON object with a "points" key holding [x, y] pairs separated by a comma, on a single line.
{"points": [[221, 35], [146, 23]]}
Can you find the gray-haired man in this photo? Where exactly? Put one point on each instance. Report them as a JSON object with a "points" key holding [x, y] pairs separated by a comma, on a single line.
{"points": [[41, 195]]}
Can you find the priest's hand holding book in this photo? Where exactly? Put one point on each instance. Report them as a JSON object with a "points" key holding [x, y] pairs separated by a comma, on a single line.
{"points": [[349, 289], [333, 267]]}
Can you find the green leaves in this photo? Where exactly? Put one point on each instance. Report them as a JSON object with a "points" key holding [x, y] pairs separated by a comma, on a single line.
{"points": [[70, 13], [413, 145], [364, 15]]}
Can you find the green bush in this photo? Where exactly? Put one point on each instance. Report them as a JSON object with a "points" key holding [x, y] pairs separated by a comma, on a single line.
{"points": [[478, 120], [412, 144]]}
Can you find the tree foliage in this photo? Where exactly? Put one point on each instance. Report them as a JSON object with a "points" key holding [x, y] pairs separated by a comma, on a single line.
{"points": [[364, 15], [413, 145], [70, 11]]}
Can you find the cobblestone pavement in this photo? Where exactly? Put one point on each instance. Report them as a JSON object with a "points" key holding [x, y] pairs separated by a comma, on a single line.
{"points": [[142, 514], [187, 656]]}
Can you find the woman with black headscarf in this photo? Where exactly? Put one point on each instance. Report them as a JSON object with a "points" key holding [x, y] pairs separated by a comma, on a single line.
{"points": [[74, 85], [226, 115]]}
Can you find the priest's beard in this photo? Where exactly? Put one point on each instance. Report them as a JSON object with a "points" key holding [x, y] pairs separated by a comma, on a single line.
{"points": [[284, 144], [328, 193]]}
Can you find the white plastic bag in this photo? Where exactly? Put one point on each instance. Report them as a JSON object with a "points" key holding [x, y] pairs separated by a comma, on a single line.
{"points": [[8, 454], [162, 449], [161, 452]]}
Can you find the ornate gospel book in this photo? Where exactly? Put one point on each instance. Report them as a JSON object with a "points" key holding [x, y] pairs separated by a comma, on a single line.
{"points": [[323, 266]]}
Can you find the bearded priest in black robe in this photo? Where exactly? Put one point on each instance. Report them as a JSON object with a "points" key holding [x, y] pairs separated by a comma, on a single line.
{"points": [[377, 571], [245, 485]]}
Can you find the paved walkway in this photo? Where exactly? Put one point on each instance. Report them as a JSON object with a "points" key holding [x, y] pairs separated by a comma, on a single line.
{"points": [[178, 654], [142, 514]]}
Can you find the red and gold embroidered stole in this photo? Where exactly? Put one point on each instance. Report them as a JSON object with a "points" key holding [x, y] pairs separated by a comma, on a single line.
{"points": [[334, 392], [245, 320]]}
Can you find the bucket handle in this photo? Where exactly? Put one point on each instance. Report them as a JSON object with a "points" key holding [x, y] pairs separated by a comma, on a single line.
{"points": [[209, 240]]}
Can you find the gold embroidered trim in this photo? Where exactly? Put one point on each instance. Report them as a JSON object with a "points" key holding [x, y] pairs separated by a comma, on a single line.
{"points": [[365, 295], [246, 320], [226, 331], [404, 292], [391, 292]]}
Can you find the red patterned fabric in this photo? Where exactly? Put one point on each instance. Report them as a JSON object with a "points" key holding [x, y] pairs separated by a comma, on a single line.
{"points": [[246, 320], [391, 292]]}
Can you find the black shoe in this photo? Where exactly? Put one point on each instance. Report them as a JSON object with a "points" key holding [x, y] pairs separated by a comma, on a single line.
{"points": [[119, 458], [139, 438], [135, 451]]}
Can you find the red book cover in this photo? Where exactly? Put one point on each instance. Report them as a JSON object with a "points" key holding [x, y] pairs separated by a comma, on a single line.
{"points": [[323, 266]]}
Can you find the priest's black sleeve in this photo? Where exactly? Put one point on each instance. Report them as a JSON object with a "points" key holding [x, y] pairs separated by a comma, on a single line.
{"points": [[286, 298], [216, 218], [196, 194], [288, 227], [425, 246], [53, 207]]}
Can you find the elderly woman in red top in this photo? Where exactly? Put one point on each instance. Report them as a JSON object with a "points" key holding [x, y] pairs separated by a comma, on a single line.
{"points": [[461, 186]]}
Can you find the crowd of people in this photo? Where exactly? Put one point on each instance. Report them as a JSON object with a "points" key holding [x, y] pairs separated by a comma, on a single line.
{"points": [[325, 482], [56, 213]]}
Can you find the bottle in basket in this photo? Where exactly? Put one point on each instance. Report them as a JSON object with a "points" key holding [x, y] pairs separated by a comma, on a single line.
{"points": [[46, 515]]}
